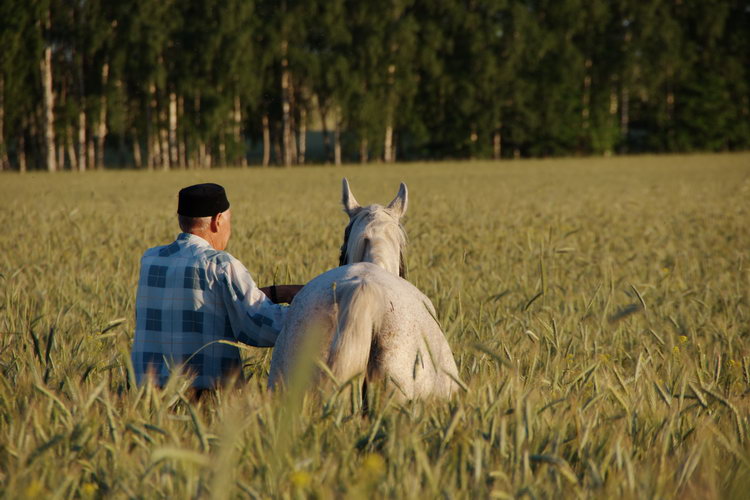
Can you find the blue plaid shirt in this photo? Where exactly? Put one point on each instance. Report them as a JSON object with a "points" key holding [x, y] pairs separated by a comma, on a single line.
{"points": [[189, 296]]}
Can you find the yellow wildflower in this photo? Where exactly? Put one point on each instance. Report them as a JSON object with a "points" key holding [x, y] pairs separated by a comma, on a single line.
{"points": [[373, 465], [300, 479], [34, 489], [683, 339], [88, 490], [676, 349]]}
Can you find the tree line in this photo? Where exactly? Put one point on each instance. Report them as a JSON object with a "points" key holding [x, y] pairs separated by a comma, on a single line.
{"points": [[163, 84]]}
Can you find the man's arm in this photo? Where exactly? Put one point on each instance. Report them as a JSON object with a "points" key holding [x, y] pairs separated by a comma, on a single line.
{"points": [[281, 294], [254, 319]]}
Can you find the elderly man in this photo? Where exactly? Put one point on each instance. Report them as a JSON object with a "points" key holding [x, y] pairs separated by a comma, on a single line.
{"points": [[191, 294]]}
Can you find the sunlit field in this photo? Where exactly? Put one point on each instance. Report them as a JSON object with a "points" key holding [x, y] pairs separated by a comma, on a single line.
{"points": [[598, 310]]}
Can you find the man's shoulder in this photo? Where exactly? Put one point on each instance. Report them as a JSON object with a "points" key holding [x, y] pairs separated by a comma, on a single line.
{"points": [[200, 256], [163, 250], [154, 251], [217, 257]]}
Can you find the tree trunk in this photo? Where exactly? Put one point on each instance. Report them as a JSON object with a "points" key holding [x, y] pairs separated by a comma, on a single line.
{"points": [[613, 108], [60, 155], [72, 157], [152, 117], [164, 137], [222, 148], [66, 139], [388, 144], [624, 117], [337, 143], [152, 151], [326, 139], [83, 161], [101, 135], [266, 141], [363, 153], [586, 98], [22, 151], [286, 134], [149, 144], [82, 139], [173, 148], [48, 101], [497, 144], [182, 146], [625, 96], [137, 156], [293, 127], [302, 134], [90, 152], [35, 147], [670, 101], [202, 154], [35, 151], [278, 153], [238, 136], [4, 161]]}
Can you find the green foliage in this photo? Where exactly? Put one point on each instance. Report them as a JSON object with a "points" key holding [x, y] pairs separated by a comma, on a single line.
{"points": [[21, 40], [450, 79], [598, 311]]}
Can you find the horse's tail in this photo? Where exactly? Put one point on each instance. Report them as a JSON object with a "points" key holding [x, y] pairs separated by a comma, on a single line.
{"points": [[360, 311]]}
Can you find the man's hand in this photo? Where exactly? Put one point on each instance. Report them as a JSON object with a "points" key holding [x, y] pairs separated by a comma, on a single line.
{"points": [[281, 294]]}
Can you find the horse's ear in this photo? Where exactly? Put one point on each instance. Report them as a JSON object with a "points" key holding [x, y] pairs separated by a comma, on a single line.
{"points": [[351, 206], [400, 202]]}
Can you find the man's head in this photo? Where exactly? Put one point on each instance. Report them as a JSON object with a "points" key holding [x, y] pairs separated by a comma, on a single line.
{"points": [[203, 210]]}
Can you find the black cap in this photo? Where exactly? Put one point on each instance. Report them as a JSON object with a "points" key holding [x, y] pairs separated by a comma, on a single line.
{"points": [[202, 200]]}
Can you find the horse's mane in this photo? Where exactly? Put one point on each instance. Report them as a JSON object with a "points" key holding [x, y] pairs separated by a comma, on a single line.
{"points": [[372, 235]]}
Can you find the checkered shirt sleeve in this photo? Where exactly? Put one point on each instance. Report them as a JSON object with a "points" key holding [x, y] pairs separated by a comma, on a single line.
{"points": [[255, 320], [190, 296]]}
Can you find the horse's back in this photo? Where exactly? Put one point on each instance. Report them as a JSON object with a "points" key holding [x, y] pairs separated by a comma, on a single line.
{"points": [[408, 347], [311, 314], [314, 313]]}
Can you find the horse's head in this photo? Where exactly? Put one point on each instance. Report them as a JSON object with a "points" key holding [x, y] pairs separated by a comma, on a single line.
{"points": [[374, 233]]}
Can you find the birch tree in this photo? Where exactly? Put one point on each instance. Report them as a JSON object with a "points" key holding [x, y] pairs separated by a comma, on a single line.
{"points": [[48, 98]]}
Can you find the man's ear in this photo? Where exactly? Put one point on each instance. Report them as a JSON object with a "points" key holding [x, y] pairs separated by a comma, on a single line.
{"points": [[217, 221]]}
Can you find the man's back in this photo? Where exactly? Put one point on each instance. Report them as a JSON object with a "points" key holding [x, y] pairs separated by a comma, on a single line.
{"points": [[191, 296]]}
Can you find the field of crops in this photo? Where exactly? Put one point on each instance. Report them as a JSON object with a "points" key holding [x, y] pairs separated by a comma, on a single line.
{"points": [[598, 310]]}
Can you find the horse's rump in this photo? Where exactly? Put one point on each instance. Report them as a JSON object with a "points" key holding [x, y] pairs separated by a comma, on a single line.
{"points": [[364, 320]]}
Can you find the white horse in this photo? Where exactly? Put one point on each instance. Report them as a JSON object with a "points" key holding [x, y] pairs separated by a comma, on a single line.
{"points": [[364, 318]]}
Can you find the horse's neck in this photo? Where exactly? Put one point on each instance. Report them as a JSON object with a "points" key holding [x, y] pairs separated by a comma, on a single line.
{"points": [[378, 251], [375, 237]]}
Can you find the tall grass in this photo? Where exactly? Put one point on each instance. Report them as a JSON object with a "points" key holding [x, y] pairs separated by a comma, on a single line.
{"points": [[598, 310]]}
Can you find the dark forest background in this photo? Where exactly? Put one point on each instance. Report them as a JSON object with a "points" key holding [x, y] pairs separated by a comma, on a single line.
{"points": [[199, 83]]}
